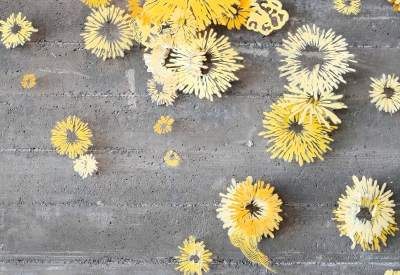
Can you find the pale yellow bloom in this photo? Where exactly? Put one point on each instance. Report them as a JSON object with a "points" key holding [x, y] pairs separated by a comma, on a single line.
{"points": [[366, 232], [183, 25], [396, 4], [85, 165], [11, 38], [267, 17], [382, 102], [100, 37], [162, 90], [238, 18], [163, 125], [346, 7], [75, 145], [189, 265], [391, 272], [96, 3], [291, 139], [171, 158], [28, 81]]}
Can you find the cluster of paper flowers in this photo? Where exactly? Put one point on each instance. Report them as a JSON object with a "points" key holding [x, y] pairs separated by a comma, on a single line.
{"points": [[299, 124], [16, 30]]}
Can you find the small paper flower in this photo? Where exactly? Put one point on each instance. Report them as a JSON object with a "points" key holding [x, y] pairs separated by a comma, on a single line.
{"points": [[163, 125], [391, 272], [347, 7], [367, 232], [162, 90], [239, 18], [28, 81], [396, 4], [194, 257], [291, 139], [85, 165], [171, 158], [382, 101], [329, 73], [183, 25], [96, 3], [16, 31], [71, 137], [108, 45]]}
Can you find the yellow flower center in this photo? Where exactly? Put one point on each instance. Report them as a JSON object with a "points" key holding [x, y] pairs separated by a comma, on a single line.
{"points": [[182, 21]]}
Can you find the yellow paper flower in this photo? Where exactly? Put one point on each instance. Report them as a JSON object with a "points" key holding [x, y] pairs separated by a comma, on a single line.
{"points": [[28, 81], [238, 18], [162, 90], [391, 272], [366, 231], [96, 3], [329, 73], [16, 31], [183, 25], [108, 32], [347, 7], [396, 4], [304, 141], [205, 65], [146, 33], [85, 165], [71, 137], [163, 125], [171, 158], [306, 103], [389, 104], [194, 257]]}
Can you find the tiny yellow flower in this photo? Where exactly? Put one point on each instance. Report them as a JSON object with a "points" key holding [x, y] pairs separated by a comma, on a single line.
{"points": [[15, 31], [347, 7], [163, 125], [85, 165], [28, 81], [171, 158], [194, 257], [96, 3], [389, 104]]}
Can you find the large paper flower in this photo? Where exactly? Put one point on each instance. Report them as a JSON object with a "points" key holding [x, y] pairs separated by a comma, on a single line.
{"points": [[347, 7], [238, 18], [96, 3], [16, 30], [382, 101], [194, 257], [85, 165], [366, 231]]}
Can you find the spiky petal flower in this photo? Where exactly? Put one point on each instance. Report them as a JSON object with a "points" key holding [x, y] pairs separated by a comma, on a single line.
{"points": [[190, 249], [239, 18], [162, 90], [96, 3], [291, 139], [85, 165], [367, 232], [163, 125], [12, 39], [28, 81], [108, 45], [396, 4], [182, 25], [171, 158], [382, 101], [347, 7]]}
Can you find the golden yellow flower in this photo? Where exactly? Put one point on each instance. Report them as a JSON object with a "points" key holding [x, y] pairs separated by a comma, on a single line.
{"points": [[391, 272], [396, 4], [171, 158], [96, 3], [347, 7], [378, 221], [380, 87], [304, 141], [183, 25], [194, 257], [16, 31], [108, 32], [238, 18], [85, 165], [306, 103], [163, 125], [28, 81], [205, 65], [71, 137], [333, 50], [162, 90]]}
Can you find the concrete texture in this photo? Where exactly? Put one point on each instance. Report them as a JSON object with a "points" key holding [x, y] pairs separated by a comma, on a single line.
{"points": [[130, 217]]}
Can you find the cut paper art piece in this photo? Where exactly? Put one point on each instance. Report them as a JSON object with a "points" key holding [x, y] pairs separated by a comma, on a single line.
{"points": [[163, 125], [391, 272], [171, 158], [162, 90], [28, 81], [16, 30], [108, 32], [308, 104], [250, 211], [96, 3], [183, 25], [267, 17], [315, 44], [194, 258], [145, 33], [238, 18], [291, 139], [370, 227], [71, 137], [386, 93], [85, 165], [205, 65], [347, 7], [396, 4]]}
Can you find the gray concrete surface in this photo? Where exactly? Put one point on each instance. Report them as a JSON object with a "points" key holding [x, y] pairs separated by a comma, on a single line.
{"points": [[130, 217]]}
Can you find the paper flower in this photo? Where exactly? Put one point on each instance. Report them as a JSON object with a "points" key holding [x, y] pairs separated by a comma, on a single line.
{"points": [[171, 158], [291, 139], [194, 257], [238, 18], [391, 103], [162, 90], [71, 137], [391, 272], [205, 65], [85, 165], [396, 4], [108, 32], [326, 75], [146, 33], [267, 17], [96, 3], [183, 25], [163, 125], [28, 81], [367, 232], [16, 31], [306, 103], [347, 7]]}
